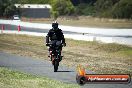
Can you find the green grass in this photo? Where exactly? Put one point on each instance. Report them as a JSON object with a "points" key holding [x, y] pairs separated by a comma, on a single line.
{"points": [[100, 58], [15, 79], [127, 52]]}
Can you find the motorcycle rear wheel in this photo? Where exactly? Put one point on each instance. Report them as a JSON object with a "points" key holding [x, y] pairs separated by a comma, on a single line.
{"points": [[56, 64]]}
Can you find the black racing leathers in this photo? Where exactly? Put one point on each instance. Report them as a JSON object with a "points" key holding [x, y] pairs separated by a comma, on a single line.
{"points": [[55, 35]]}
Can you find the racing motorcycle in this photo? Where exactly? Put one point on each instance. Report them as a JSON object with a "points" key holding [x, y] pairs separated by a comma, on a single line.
{"points": [[55, 56]]}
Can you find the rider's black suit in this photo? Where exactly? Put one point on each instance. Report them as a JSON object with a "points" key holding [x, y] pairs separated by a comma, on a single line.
{"points": [[55, 37]]}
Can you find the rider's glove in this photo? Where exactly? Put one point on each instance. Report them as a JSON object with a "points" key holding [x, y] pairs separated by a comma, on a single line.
{"points": [[47, 44], [64, 44]]}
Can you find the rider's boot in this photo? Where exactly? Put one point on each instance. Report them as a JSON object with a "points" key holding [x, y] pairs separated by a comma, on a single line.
{"points": [[61, 56], [50, 53]]}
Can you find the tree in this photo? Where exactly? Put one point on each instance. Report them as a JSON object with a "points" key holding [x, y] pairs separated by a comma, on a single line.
{"points": [[1, 8], [103, 7], [34, 1], [9, 11], [85, 9], [123, 9], [7, 8], [77, 2], [62, 7]]}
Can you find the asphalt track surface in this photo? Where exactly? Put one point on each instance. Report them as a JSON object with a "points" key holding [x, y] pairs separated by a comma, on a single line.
{"points": [[29, 29], [44, 68], [38, 30]]}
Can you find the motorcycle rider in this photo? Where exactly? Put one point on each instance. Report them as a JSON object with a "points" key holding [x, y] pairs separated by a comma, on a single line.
{"points": [[55, 37]]}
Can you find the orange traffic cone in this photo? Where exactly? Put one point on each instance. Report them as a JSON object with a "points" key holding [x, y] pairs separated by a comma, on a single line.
{"points": [[2, 28], [19, 28], [81, 70]]}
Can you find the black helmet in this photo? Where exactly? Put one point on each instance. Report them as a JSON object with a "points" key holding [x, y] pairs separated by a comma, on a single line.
{"points": [[55, 25]]}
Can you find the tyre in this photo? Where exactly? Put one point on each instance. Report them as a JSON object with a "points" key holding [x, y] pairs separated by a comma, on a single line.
{"points": [[56, 64], [80, 80]]}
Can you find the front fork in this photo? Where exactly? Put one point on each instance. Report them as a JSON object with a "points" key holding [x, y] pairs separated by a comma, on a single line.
{"points": [[53, 56]]}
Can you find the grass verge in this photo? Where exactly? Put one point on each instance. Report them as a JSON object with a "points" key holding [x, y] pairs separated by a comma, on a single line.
{"points": [[14, 79], [86, 22], [100, 58]]}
